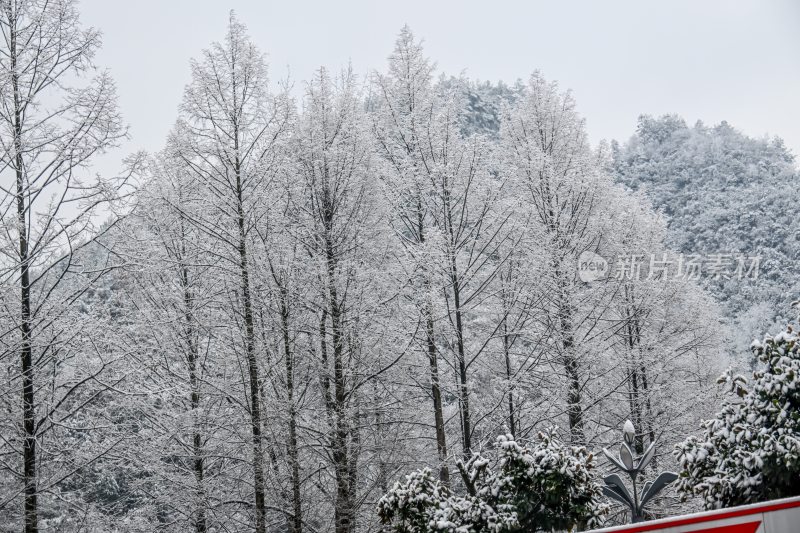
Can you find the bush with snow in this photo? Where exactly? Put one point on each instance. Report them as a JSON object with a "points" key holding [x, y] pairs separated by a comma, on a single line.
{"points": [[750, 451], [543, 487]]}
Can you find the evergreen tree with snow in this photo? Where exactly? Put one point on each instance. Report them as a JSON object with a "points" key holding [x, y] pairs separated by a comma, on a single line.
{"points": [[750, 451], [543, 487]]}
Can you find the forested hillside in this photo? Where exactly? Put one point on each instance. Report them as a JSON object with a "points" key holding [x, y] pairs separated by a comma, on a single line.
{"points": [[724, 194]]}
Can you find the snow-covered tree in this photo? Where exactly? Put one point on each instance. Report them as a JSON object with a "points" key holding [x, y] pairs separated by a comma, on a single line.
{"points": [[230, 137], [663, 353], [401, 114], [176, 467], [56, 117], [343, 238], [542, 487], [750, 451], [547, 159], [447, 213]]}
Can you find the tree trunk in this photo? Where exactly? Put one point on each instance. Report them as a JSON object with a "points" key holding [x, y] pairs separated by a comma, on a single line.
{"points": [[252, 363], [26, 348], [352, 457], [383, 471], [466, 424], [636, 373], [461, 363], [570, 361], [296, 524], [507, 353], [433, 359], [436, 392], [343, 512], [649, 425], [194, 385]]}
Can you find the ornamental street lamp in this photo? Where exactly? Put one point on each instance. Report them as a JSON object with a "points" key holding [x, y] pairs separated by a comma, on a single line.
{"points": [[626, 462]]}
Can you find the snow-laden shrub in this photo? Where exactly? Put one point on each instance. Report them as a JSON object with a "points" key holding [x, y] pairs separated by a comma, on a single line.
{"points": [[750, 451], [411, 504], [550, 485], [539, 488]]}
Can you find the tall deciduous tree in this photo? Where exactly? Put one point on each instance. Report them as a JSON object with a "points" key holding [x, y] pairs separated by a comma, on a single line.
{"points": [[54, 122], [446, 201], [234, 129], [548, 159], [176, 306], [334, 154], [401, 108]]}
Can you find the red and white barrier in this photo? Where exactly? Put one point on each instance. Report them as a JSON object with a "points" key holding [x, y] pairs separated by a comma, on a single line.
{"points": [[776, 516]]}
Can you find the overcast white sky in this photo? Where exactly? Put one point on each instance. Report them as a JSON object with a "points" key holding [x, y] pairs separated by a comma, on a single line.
{"points": [[734, 60]]}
